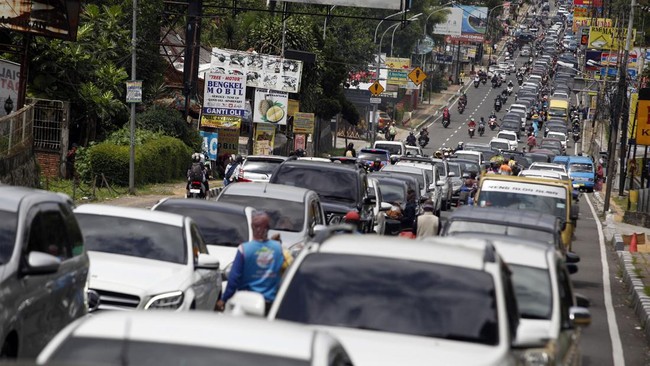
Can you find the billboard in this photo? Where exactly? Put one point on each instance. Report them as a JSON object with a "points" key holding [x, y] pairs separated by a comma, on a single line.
{"points": [[9, 82], [398, 63], [270, 107], [608, 38], [588, 22], [210, 143], [452, 25], [376, 4], [473, 25], [48, 18], [226, 93]]}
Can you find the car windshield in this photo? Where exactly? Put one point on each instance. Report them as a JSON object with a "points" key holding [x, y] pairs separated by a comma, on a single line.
{"points": [[373, 293], [455, 168], [77, 351], [327, 183], [392, 192], [418, 175], [500, 145], [261, 166], [532, 202], [217, 228], [285, 215], [507, 136], [371, 156], [393, 149], [468, 156], [581, 168], [457, 226], [8, 222], [547, 167], [132, 237], [467, 167], [533, 291]]}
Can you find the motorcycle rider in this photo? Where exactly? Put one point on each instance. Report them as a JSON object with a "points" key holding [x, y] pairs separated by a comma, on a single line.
{"points": [[471, 124], [481, 126], [445, 114], [423, 139], [463, 99], [497, 103], [375, 166], [196, 173], [410, 140]]}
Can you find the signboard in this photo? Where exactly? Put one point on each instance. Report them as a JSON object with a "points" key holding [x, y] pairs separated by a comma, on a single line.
{"points": [[608, 38], [377, 4], [588, 3], [55, 19], [134, 91], [473, 38], [474, 23], [452, 26], [227, 93], [260, 71], [211, 141], [376, 88], [264, 138], [398, 63], [9, 82], [270, 107], [299, 142], [442, 58], [531, 189], [397, 77], [643, 121], [417, 76], [303, 123], [213, 121], [424, 45], [228, 141], [634, 98], [595, 56], [581, 11], [588, 22], [375, 100]]}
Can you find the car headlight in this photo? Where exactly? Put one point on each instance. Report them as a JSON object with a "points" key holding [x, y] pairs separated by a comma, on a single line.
{"points": [[169, 301], [536, 357]]}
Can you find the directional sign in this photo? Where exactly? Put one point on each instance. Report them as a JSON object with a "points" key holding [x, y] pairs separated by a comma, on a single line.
{"points": [[417, 76], [376, 88], [375, 100]]}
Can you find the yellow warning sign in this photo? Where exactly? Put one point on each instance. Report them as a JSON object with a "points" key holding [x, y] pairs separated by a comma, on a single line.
{"points": [[417, 76], [608, 38], [376, 88], [643, 122]]}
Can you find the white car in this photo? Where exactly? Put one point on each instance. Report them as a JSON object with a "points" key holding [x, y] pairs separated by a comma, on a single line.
{"points": [[197, 338], [357, 287], [414, 150], [512, 138], [548, 166], [500, 144], [476, 156], [560, 136], [258, 168], [142, 260], [395, 148]]}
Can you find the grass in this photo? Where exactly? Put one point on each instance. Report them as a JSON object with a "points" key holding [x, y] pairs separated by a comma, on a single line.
{"points": [[646, 290], [85, 192], [638, 273]]}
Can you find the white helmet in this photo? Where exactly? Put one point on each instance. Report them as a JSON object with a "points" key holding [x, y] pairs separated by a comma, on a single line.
{"points": [[196, 157]]}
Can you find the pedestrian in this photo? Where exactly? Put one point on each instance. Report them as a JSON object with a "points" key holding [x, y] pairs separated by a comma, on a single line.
{"points": [[427, 224], [600, 177], [232, 170], [69, 161], [392, 132], [531, 142], [350, 151], [257, 266]]}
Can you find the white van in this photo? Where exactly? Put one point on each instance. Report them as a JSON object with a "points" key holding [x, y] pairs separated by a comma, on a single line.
{"points": [[396, 148]]}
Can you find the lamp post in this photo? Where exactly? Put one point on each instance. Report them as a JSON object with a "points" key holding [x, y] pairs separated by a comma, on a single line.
{"points": [[9, 105], [442, 7], [487, 28], [329, 14], [374, 39], [392, 38]]}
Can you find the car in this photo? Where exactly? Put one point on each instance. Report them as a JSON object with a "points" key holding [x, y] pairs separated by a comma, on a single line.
{"points": [[445, 175], [558, 135], [295, 213], [223, 226], [500, 144], [384, 121], [473, 155], [162, 338], [327, 179], [505, 67], [462, 167], [428, 180], [43, 269], [410, 180], [525, 51], [413, 151], [552, 144], [146, 260], [581, 169], [435, 177], [511, 125], [365, 315], [513, 139], [396, 148], [368, 156], [392, 190], [548, 166], [258, 168]]}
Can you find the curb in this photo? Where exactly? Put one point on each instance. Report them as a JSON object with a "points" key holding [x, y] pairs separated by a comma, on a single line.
{"points": [[214, 192], [639, 301]]}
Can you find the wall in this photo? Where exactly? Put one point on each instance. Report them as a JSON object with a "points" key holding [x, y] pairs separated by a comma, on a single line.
{"points": [[49, 162], [20, 169]]}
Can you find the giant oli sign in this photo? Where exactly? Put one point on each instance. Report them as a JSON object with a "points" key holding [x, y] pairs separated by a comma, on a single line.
{"points": [[49, 18]]}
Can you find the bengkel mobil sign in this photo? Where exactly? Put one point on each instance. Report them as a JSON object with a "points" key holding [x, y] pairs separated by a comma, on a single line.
{"points": [[9, 82]]}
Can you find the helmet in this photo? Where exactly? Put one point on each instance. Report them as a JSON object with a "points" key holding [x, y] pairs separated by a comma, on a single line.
{"points": [[411, 132], [438, 154], [196, 157], [352, 216], [471, 119]]}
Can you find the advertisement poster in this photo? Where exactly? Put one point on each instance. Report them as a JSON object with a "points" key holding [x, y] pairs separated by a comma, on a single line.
{"points": [[452, 26], [260, 71], [303, 123], [56, 19], [264, 138], [608, 38], [634, 99], [474, 23], [9, 82], [588, 22], [134, 91], [228, 141], [270, 107], [220, 121], [224, 94], [398, 63], [299, 142], [210, 143]]}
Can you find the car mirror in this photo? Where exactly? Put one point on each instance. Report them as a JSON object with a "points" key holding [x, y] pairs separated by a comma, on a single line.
{"points": [[440, 183], [572, 268], [582, 301], [39, 263], [369, 200], [246, 303], [451, 174], [572, 257], [579, 316], [316, 229], [385, 206], [207, 261]]}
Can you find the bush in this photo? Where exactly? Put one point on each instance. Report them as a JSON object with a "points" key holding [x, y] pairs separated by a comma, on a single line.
{"points": [[156, 161], [171, 123]]}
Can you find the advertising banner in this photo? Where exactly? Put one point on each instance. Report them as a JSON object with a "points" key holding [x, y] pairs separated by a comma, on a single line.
{"points": [[211, 141], [643, 122], [55, 19], [588, 22], [397, 77], [134, 91], [474, 23], [9, 81], [228, 141], [213, 121], [398, 63], [452, 26], [270, 107], [293, 107], [581, 11], [588, 3], [303, 123], [299, 142], [608, 38], [260, 71], [634, 98], [226, 93], [376, 4], [264, 138]]}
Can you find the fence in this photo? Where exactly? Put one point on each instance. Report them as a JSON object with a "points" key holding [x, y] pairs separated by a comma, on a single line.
{"points": [[643, 200], [16, 131]]}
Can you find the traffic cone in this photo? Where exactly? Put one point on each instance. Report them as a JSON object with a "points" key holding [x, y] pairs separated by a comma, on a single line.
{"points": [[633, 244]]}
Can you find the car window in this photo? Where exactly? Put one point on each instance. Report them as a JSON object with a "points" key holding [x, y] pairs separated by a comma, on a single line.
{"points": [[357, 291], [315, 213], [533, 291], [581, 168], [394, 149], [8, 222], [261, 166], [198, 245], [47, 234], [285, 215], [73, 230], [392, 192], [136, 238], [371, 156], [509, 294], [566, 296], [327, 183]]}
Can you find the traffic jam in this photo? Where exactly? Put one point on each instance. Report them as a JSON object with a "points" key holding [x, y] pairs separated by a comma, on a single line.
{"points": [[462, 246]]}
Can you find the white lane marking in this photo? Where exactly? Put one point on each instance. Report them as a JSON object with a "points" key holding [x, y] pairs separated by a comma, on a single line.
{"points": [[612, 325]]}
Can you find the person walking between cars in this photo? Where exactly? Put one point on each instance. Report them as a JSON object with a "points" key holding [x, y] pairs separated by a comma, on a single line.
{"points": [[392, 132], [427, 224], [257, 266], [531, 142]]}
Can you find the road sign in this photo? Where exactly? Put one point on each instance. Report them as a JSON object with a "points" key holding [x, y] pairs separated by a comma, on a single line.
{"points": [[375, 100], [643, 122], [417, 76], [376, 88]]}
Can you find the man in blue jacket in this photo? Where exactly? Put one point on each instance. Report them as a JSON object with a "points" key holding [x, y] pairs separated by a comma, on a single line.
{"points": [[257, 266]]}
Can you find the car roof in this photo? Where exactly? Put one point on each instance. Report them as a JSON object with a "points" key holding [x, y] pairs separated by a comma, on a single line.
{"points": [[507, 132], [317, 165], [385, 179], [442, 250], [411, 169], [496, 139], [12, 196], [517, 251], [245, 334], [142, 214], [543, 174], [503, 215], [203, 205], [373, 150], [279, 158], [267, 190]]}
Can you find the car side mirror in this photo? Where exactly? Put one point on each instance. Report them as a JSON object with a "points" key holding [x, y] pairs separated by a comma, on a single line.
{"points": [[440, 183], [246, 303], [385, 206], [572, 268], [582, 301], [572, 257], [451, 174], [369, 200], [39, 263], [579, 316], [207, 261], [316, 229]]}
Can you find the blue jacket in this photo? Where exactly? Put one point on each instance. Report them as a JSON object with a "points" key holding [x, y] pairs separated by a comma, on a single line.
{"points": [[256, 268]]}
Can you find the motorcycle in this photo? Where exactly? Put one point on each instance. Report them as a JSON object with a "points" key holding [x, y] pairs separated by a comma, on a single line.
{"points": [[481, 129], [446, 119], [423, 141], [509, 90], [494, 83], [476, 83], [520, 81], [461, 108], [492, 123], [470, 132], [576, 136], [497, 106], [197, 190]]}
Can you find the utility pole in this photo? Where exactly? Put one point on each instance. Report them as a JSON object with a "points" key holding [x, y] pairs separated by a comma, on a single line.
{"points": [[132, 122]]}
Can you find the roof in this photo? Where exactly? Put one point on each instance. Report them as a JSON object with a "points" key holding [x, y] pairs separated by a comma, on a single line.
{"points": [[12, 196], [443, 250], [530, 180], [267, 157], [502, 215], [142, 214], [517, 251], [203, 205], [580, 159], [317, 165], [267, 190]]}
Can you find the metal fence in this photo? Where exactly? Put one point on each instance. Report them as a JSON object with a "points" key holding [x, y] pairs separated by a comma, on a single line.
{"points": [[49, 124], [643, 203], [16, 131]]}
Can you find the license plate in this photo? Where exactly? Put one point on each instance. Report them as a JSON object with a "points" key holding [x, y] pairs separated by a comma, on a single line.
{"points": [[195, 191]]}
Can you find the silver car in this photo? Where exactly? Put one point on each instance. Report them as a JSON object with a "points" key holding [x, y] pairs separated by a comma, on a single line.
{"points": [[43, 269]]}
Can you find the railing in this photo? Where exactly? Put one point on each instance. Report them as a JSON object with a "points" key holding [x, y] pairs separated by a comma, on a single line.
{"points": [[16, 131], [643, 203]]}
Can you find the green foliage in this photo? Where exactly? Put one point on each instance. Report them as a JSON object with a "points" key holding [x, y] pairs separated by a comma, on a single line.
{"points": [[349, 112], [122, 137], [328, 108], [171, 123]]}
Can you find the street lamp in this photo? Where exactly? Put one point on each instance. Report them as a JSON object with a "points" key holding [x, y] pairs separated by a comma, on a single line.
{"points": [[374, 39], [442, 7], [392, 38], [9, 105], [487, 29]]}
